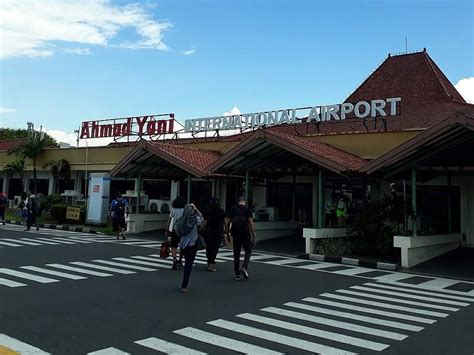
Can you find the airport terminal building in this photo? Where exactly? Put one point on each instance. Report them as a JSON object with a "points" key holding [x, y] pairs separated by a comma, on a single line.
{"points": [[405, 130]]}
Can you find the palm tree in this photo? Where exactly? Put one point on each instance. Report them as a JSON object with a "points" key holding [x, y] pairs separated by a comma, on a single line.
{"points": [[16, 167], [61, 171], [32, 149]]}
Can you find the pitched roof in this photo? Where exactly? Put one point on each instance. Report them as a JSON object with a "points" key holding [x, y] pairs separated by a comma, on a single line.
{"points": [[11, 143], [191, 160], [318, 153], [421, 116], [195, 157], [452, 132], [414, 77]]}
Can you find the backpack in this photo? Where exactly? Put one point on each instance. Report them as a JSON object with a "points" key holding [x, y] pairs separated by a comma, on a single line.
{"points": [[239, 222], [119, 210], [34, 205]]}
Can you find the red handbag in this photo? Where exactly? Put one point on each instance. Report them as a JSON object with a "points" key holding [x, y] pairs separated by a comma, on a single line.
{"points": [[165, 249]]}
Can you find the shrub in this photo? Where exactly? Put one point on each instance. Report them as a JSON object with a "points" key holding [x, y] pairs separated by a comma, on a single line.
{"points": [[374, 227], [59, 213], [48, 201], [333, 246]]}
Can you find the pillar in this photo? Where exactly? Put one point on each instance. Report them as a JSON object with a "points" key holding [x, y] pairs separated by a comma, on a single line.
{"points": [[293, 199], [247, 185], [450, 210], [189, 189], [139, 188], [174, 190], [320, 198], [413, 199]]}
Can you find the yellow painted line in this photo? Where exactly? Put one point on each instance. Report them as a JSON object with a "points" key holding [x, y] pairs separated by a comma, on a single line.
{"points": [[7, 351]]}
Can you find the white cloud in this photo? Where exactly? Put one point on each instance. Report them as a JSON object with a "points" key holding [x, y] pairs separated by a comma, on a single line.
{"points": [[79, 50], [37, 28], [71, 138], [235, 111], [4, 110], [466, 89], [189, 51]]}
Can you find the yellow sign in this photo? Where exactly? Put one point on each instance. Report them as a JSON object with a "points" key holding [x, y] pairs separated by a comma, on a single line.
{"points": [[73, 213]]}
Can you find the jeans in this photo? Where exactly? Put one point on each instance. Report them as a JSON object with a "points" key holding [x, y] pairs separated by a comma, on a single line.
{"points": [[239, 242], [189, 255]]}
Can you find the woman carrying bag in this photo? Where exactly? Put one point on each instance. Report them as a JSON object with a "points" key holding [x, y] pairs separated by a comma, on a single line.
{"points": [[187, 229]]}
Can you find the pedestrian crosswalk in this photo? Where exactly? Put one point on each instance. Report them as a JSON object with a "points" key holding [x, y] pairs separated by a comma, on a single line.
{"points": [[81, 270], [328, 323]]}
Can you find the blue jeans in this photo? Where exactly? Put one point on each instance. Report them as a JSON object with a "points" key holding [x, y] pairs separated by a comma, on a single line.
{"points": [[189, 256]]}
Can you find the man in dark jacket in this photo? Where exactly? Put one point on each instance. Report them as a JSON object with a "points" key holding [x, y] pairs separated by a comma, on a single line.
{"points": [[240, 221], [214, 219]]}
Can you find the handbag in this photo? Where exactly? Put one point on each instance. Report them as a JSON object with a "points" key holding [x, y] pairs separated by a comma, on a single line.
{"points": [[165, 250], [200, 242]]}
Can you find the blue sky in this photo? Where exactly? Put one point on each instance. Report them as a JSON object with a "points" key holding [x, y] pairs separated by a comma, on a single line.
{"points": [[104, 59]]}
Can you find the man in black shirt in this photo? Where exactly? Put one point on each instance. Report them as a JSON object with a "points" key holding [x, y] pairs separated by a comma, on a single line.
{"points": [[240, 220], [214, 217]]}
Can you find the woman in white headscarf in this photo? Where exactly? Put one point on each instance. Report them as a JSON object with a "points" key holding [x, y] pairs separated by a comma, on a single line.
{"points": [[187, 229]]}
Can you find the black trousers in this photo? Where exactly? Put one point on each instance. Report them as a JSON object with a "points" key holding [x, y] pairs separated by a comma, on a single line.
{"points": [[239, 242], [189, 256], [213, 242], [31, 220]]}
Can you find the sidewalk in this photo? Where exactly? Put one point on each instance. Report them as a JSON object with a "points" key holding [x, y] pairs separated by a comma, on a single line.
{"points": [[458, 264]]}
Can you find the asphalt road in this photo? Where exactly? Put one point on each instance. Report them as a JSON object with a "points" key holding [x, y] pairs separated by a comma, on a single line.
{"points": [[72, 293]]}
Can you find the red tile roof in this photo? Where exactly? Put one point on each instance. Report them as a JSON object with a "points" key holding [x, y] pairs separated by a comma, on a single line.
{"points": [[9, 144], [413, 77], [195, 157], [347, 160]]}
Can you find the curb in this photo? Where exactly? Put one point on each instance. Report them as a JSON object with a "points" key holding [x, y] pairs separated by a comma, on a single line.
{"points": [[60, 227], [351, 261]]}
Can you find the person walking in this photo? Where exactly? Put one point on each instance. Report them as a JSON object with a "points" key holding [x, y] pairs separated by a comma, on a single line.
{"points": [[177, 209], [341, 212], [3, 206], [242, 230], [33, 207], [118, 210], [187, 230], [214, 220]]}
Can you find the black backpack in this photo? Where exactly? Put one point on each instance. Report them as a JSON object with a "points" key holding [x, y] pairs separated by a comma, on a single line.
{"points": [[239, 222], [120, 209], [34, 205]]}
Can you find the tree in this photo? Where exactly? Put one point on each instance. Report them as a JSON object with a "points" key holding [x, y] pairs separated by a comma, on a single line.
{"points": [[16, 167], [61, 171], [32, 149]]}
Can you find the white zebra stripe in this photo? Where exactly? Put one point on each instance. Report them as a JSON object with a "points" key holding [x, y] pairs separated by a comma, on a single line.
{"points": [[79, 270], [223, 342], [103, 268], [10, 283], [361, 309], [398, 300], [19, 346], [19, 241], [41, 241], [24, 275], [279, 338], [386, 305], [147, 263], [341, 338], [109, 351], [10, 244], [54, 273], [127, 266], [420, 292], [167, 347]]}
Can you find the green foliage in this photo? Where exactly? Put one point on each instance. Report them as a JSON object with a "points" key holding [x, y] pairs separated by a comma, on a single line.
{"points": [[61, 171], [333, 246], [48, 201], [59, 211], [10, 133], [374, 227]]}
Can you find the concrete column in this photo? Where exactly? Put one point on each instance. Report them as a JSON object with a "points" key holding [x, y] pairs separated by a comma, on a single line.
{"points": [[223, 194], [315, 202], [450, 210], [247, 186], [138, 186], [5, 184], [293, 199], [189, 189], [174, 190], [413, 199], [320, 198], [51, 185]]}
